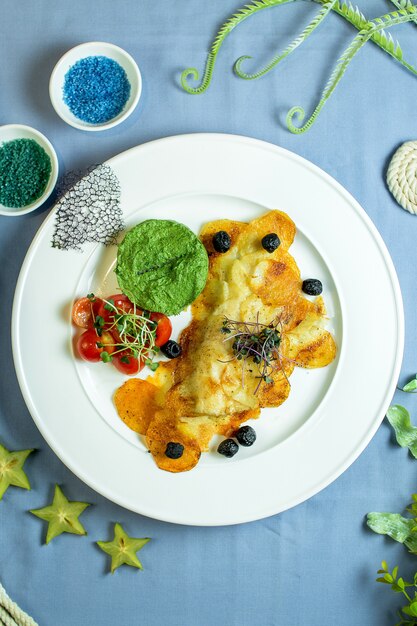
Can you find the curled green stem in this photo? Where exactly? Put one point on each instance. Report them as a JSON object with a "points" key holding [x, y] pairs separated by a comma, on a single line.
{"points": [[226, 28], [327, 7], [207, 76], [375, 26], [351, 14]]}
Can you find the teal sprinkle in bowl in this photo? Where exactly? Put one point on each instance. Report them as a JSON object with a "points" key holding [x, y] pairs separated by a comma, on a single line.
{"points": [[10, 132]]}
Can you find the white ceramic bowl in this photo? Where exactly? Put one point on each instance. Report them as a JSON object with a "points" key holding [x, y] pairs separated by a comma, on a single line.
{"points": [[94, 48], [19, 131]]}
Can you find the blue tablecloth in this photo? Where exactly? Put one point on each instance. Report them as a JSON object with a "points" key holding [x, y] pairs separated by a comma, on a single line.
{"points": [[313, 565]]}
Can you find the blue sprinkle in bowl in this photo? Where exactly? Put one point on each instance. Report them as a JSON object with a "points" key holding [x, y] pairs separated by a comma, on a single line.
{"points": [[93, 49]]}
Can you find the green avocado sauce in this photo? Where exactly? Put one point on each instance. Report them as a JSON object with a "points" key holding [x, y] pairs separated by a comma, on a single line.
{"points": [[161, 266]]}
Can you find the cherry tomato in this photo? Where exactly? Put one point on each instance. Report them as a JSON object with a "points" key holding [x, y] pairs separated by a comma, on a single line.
{"points": [[122, 302], [99, 310], [127, 364], [87, 346], [108, 342], [82, 313], [163, 329]]}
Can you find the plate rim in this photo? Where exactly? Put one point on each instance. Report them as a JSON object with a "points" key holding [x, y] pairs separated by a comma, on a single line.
{"points": [[396, 366]]}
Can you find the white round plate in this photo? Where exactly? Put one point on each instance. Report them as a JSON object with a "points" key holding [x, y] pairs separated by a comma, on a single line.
{"points": [[331, 414]]}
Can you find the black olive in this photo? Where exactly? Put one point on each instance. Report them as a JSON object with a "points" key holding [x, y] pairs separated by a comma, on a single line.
{"points": [[246, 436], [312, 287], [174, 450], [171, 349], [228, 448], [271, 242], [221, 241]]}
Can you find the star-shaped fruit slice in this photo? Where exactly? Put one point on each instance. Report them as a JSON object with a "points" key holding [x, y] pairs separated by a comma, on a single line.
{"points": [[123, 549], [62, 516], [11, 469]]}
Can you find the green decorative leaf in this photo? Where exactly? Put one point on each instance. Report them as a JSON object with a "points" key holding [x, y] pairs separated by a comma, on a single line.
{"points": [[411, 609], [398, 54], [411, 386], [413, 507], [395, 526], [405, 432]]}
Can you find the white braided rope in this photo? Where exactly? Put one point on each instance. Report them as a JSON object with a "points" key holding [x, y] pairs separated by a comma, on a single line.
{"points": [[402, 176], [11, 614]]}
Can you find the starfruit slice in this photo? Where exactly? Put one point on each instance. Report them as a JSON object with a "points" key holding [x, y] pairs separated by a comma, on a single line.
{"points": [[11, 469], [62, 516], [123, 549]]}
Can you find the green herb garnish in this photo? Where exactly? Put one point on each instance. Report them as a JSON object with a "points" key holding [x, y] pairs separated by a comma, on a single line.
{"points": [[99, 324], [105, 356], [109, 306], [151, 365], [136, 334], [407, 613]]}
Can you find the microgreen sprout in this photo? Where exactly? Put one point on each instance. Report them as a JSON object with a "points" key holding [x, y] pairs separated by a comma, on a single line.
{"points": [[99, 324], [256, 342], [405, 431], [105, 356], [135, 332]]}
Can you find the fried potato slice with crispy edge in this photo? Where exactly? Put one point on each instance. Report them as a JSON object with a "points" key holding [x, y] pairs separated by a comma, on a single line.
{"points": [[136, 403], [161, 431]]}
